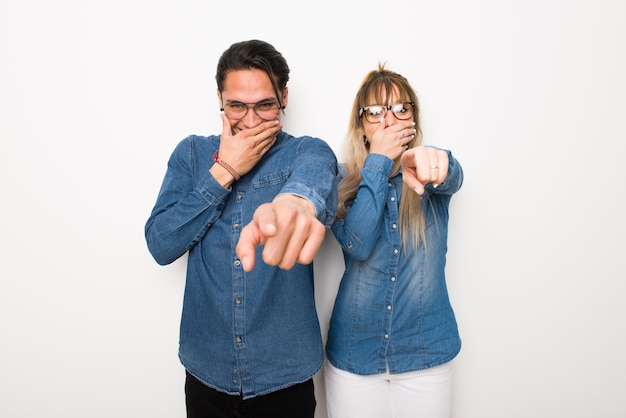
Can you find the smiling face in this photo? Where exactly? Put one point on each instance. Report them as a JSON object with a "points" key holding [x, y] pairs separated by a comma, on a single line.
{"points": [[254, 90]]}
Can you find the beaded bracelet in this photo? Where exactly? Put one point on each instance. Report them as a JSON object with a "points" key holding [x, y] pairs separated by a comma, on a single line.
{"points": [[217, 159]]}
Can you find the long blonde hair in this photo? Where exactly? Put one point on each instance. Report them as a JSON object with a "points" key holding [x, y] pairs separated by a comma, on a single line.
{"points": [[377, 85]]}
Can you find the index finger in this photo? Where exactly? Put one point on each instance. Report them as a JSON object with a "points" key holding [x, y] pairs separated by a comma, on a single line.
{"points": [[262, 226], [249, 239], [262, 129], [409, 171]]}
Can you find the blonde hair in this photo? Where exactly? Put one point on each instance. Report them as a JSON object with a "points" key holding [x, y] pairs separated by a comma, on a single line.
{"points": [[377, 85]]}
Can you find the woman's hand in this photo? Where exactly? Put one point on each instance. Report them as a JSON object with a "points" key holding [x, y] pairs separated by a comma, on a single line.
{"points": [[392, 140], [422, 165]]}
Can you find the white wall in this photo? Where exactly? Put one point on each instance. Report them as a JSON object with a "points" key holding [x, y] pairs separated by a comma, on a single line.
{"points": [[529, 95]]}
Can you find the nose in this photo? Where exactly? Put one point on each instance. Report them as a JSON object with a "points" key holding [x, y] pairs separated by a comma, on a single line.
{"points": [[390, 119], [251, 119]]}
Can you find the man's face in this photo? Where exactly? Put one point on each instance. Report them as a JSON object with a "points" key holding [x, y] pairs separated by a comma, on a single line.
{"points": [[251, 94]]}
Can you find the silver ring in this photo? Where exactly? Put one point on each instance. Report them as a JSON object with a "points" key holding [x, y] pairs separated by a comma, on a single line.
{"points": [[406, 147], [435, 167]]}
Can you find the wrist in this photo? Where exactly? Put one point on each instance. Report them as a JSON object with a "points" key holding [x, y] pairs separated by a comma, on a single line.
{"points": [[227, 167]]}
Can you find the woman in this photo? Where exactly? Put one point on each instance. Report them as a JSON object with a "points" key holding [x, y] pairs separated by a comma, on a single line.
{"points": [[393, 331]]}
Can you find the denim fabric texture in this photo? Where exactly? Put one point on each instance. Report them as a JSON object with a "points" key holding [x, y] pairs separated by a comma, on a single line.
{"points": [[242, 333], [392, 311]]}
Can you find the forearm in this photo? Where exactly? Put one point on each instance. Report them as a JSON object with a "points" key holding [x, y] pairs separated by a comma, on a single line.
{"points": [[170, 232], [358, 232], [188, 203], [314, 178]]}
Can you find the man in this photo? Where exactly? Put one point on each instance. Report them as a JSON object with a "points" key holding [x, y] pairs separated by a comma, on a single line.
{"points": [[249, 339]]}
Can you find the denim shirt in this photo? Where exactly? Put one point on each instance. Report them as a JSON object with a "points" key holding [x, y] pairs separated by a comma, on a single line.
{"points": [[392, 310], [242, 333]]}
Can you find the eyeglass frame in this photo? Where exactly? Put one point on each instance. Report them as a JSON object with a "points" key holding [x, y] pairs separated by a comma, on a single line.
{"points": [[254, 107], [386, 108]]}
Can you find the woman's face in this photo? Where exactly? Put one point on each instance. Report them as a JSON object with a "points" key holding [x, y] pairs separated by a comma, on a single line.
{"points": [[387, 116]]}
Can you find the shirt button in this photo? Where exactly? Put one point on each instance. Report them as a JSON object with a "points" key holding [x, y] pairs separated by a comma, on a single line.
{"points": [[239, 197], [236, 226], [395, 251], [388, 307], [238, 339], [388, 184], [394, 226], [393, 199], [393, 278], [349, 246], [237, 263], [387, 336], [238, 301]]}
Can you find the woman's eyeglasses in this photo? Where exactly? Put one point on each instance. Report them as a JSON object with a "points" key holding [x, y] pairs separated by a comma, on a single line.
{"points": [[401, 111]]}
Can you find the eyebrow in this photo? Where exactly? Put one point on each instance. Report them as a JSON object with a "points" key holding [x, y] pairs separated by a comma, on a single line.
{"points": [[267, 99]]}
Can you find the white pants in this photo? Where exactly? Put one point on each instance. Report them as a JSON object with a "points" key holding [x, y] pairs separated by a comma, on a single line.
{"points": [[422, 394]]}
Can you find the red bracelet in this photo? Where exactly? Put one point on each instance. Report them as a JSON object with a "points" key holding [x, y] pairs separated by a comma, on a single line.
{"points": [[217, 159]]}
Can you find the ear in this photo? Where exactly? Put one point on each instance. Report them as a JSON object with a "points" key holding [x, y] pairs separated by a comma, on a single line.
{"points": [[285, 97]]}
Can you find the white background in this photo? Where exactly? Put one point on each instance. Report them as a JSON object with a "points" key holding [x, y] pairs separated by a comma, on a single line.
{"points": [[529, 95]]}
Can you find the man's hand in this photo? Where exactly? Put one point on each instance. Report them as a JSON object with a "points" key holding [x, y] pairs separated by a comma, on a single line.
{"points": [[422, 165], [287, 228], [243, 149]]}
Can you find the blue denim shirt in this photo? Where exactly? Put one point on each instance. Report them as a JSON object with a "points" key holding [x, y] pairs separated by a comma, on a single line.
{"points": [[392, 311], [242, 333]]}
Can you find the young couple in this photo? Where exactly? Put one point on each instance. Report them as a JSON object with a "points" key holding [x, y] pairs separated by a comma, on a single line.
{"points": [[251, 217]]}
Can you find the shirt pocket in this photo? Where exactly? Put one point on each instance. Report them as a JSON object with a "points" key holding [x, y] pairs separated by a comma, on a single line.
{"points": [[267, 186], [271, 179]]}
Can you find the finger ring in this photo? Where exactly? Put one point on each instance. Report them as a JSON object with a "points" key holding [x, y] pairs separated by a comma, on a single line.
{"points": [[435, 167], [406, 147]]}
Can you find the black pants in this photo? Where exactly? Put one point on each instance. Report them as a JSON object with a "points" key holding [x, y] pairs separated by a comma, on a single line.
{"points": [[296, 401]]}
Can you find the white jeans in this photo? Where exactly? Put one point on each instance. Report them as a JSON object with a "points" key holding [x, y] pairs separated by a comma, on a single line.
{"points": [[422, 394]]}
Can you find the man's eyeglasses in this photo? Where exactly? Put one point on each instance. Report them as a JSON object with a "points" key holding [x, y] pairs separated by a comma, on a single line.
{"points": [[266, 110], [401, 111]]}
